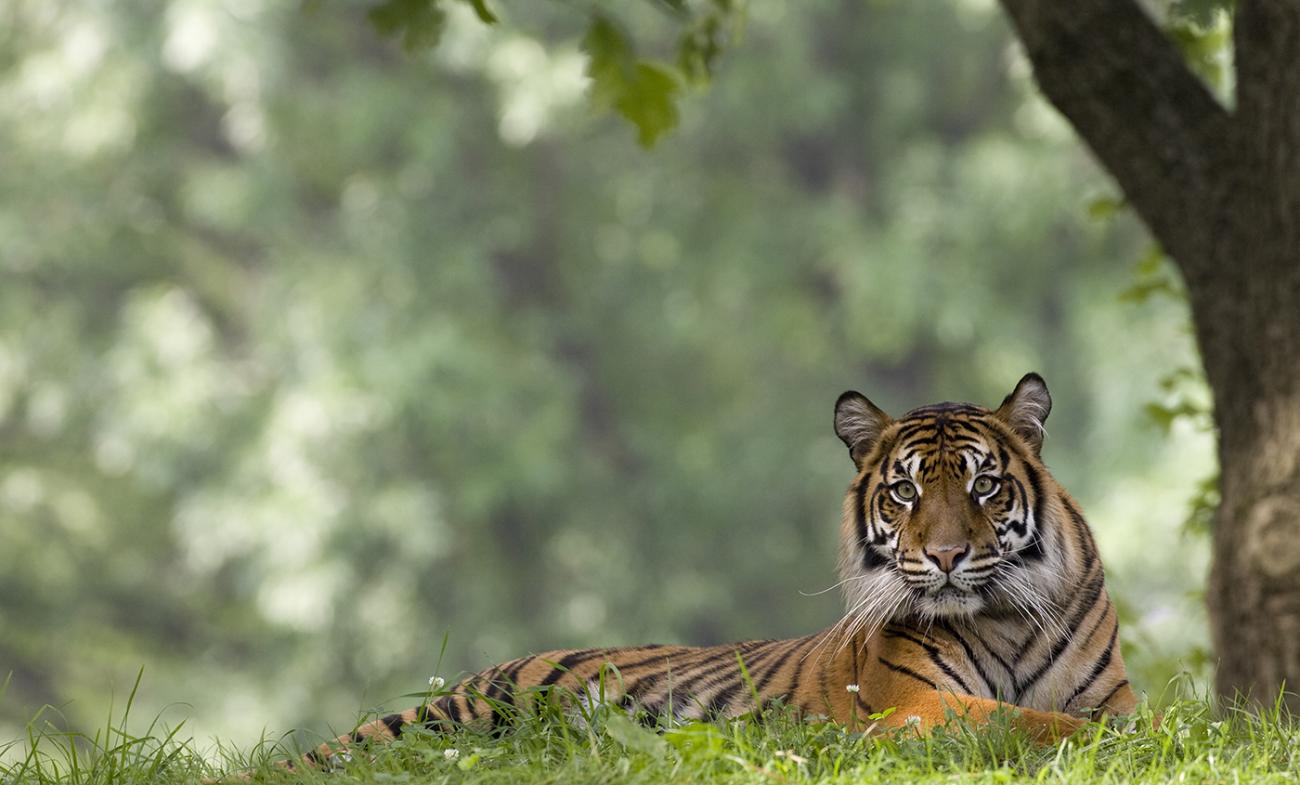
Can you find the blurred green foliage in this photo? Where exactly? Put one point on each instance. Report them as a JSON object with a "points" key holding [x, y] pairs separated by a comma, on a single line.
{"points": [[312, 351], [643, 91]]}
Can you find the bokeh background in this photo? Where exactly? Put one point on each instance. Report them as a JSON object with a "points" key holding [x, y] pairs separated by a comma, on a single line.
{"points": [[315, 354]]}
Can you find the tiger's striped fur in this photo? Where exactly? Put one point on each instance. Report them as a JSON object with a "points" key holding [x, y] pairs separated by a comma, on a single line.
{"points": [[971, 578]]}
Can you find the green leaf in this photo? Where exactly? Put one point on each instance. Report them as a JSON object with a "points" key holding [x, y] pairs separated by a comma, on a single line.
{"points": [[699, 741], [610, 59], [418, 22], [1202, 506], [633, 736], [484, 13], [1202, 30], [650, 102], [1151, 263], [1153, 275], [1102, 207], [643, 92], [1202, 12]]}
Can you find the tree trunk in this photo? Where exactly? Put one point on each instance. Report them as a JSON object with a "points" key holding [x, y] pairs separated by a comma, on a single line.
{"points": [[1221, 192]]}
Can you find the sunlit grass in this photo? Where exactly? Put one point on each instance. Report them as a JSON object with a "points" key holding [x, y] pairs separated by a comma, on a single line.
{"points": [[1189, 742]]}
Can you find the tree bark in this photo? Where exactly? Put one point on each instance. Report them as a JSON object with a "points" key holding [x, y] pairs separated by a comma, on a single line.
{"points": [[1220, 191]]}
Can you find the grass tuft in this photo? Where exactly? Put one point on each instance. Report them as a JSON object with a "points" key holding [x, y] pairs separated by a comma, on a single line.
{"points": [[1188, 741]]}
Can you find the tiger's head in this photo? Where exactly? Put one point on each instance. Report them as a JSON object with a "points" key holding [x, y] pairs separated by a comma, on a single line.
{"points": [[951, 513]]}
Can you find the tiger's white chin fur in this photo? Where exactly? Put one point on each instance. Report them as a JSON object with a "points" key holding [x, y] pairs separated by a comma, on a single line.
{"points": [[949, 602]]}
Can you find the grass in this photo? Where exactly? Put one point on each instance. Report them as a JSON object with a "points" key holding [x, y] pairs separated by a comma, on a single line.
{"points": [[1190, 743]]}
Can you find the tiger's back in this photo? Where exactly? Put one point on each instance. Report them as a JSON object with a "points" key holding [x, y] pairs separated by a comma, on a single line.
{"points": [[972, 582]]}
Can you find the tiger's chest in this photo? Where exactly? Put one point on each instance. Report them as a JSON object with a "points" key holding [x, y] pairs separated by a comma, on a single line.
{"points": [[1001, 660]]}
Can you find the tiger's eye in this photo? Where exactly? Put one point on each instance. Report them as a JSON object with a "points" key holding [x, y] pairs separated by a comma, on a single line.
{"points": [[904, 490], [984, 485]]}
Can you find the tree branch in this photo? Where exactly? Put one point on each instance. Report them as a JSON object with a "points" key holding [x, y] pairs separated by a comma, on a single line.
{"points": [[1128, 93]]}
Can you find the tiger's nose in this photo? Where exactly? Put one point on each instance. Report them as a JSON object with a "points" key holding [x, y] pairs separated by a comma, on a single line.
{"points": [[946, 556]]}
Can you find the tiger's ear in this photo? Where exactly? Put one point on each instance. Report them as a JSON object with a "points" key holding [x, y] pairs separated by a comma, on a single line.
{"points": [[859, 423], [1026, 409]]}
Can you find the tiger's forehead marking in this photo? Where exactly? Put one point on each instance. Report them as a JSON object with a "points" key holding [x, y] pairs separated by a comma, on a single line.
{"points": [[943, 438]]}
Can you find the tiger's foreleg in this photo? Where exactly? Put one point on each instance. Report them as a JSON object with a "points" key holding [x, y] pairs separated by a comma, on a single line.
{"points": [[927, 710]]}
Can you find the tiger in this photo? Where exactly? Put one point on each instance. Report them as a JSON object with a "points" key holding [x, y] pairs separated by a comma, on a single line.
{"points": [[972, 586]]}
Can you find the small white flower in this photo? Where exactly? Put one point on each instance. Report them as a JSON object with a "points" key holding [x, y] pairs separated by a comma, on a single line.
{"points": [[451, 754], [912, 721], [436, 682], [852, 687]]}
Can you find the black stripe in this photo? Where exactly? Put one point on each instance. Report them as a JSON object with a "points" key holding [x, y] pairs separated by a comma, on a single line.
{"points": [[871, 558], [1034, 550], [970, 656], [450, 708], [659, 711], [797, 679], [821, 686], [1081, 526], [891, 631], [495, 691], [1102, 703], [726, 666], [568, 662], [1093, 591], [718, 672], [1035, 484], [629, 666], [860, 513], [721, 701], [865, 706], [907, 672], [501, 689], [760, 685], [911, 429], [572, 660], [1097, 667], [1020, 527], [935, 657], [394, 724], [436, 715], [944, 408], [878, 502], [995, 655], [704, 669], [645, 684], [962, 424], [1075, 514], [642, 684]]}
